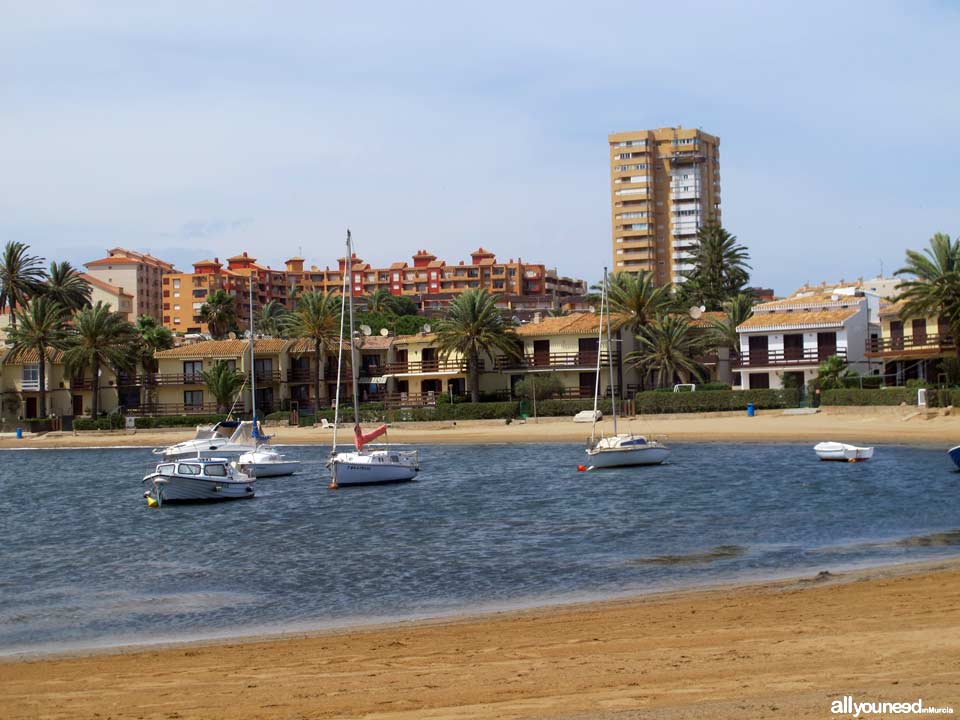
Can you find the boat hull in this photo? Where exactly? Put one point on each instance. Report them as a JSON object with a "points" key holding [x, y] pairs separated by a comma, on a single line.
{"points": [[627, 456], [840, 452], [379, 468], [205, 451], [955, 455], [270, 469], [177, 489]]}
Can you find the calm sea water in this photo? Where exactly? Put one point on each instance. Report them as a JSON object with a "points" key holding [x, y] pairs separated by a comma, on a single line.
{"points": [[85, 563]]}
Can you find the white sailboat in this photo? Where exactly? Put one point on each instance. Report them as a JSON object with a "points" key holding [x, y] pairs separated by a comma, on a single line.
{"points": [[620, 449], [363, 467], [261, 460]]}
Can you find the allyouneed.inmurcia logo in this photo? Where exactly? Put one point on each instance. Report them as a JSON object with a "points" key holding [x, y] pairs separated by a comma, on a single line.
{"points": [[848, 706]]}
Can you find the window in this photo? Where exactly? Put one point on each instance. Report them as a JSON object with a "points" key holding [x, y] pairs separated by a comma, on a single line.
{"points": [[188, 469], [165, 469], [176, 321], [193, 398], [176, 283], [215, 470], [192, 370]]}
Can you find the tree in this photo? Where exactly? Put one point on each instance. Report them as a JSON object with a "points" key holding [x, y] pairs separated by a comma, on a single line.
{"points": [[100, 338], [473, 325], [317, 319], [935, 287], [832, 373], [152, 337], [379, 301], [636, 295], [544, 386], [219, 312], [271, 319], [41, 330], [21, 277], [720, 269], [401, 305], [737, 311], [66, 287], [223, 383], [667, 348]]}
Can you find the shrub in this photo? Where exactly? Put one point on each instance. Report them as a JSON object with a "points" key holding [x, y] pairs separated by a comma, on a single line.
{"points": [[546, 386], [885, 396], [715, 401]]}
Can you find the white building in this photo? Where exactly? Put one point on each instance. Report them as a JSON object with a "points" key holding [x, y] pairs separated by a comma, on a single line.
{"points": [[787, 340]]}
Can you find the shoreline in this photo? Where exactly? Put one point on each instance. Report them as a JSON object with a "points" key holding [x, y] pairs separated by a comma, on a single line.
{"points": [[882, 425], [862, 631]]}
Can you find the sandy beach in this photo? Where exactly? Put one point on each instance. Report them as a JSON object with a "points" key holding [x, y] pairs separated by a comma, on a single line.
{"points": [[860, 425], [782, 649]]}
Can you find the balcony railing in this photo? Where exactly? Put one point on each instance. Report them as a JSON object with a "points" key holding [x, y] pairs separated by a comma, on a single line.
{"points": [[805, 356], [546, 361], [149, 409], [425, 367], [409, 400], [268, 376], [301, 375], [921, 344]]}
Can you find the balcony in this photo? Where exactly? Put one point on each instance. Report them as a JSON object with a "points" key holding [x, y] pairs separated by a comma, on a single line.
{"points": [[268, 376], [427, 367], [409, 400], [152, 409], [920, 345], [555, 361], [301, 375], [804, 356]]}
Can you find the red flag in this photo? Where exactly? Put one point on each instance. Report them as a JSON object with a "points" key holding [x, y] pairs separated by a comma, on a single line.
{"points": [[359, 439]]}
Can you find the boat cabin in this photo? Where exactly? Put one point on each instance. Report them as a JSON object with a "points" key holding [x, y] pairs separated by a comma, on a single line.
{"points": [[199, 467]]}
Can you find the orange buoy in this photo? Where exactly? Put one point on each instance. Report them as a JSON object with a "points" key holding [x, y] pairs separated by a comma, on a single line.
{"points": [[581, 468]]}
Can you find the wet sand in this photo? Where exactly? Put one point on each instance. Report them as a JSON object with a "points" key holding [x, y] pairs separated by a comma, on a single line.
{"points": [[857, 425], [772, 650]]}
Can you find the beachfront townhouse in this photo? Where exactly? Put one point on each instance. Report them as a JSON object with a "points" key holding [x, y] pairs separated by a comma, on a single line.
{"points": [[911, 347], [568, 347], [785, 341], [179, 387]]}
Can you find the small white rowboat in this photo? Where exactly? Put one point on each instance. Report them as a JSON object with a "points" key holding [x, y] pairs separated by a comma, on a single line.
{"points": [[842, 452]]}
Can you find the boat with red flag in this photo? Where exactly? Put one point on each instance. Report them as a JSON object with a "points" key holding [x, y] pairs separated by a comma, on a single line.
{"points": [[364, 466]]}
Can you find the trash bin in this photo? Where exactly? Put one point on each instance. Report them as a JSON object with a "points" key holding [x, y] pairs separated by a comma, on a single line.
{"points": [[19, 433], [750, 410]]}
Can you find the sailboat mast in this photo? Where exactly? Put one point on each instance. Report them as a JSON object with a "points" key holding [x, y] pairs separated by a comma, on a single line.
{"points": [[353, 363], [613, 397], [336, 409], [253, 372], [596, 378]]}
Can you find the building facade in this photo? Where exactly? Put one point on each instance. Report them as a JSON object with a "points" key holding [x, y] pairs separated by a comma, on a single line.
{"points": [[785, 341], [664, 185], [117, 298], [911, 347], [138, 274]]}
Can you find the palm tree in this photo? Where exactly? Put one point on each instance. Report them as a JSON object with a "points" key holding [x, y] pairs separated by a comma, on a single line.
{"points": [[21, 276], [636, 295], [101, 338], [152, 338], [379, 301], [666, 347], [473, 326], [720, 268], [935, 289], [737, 311], [271, 319], [219, 312], [223, 383], [317, 319], [41, 330], [66, 287], [832, 373]]}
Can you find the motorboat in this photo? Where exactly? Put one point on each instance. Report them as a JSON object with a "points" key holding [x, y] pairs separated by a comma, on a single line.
{"points": [[954, 453], [267, 462], [619, 449], [625, 449], [227, 438], [197, 480], [363, 467], [842, 452]]}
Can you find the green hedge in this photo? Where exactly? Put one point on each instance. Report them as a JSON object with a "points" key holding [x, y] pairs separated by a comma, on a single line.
{"points": [[936, 397], [716, 401], [375, 412]]}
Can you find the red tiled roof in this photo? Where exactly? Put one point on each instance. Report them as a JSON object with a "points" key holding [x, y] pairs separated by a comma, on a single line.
{"points": [[224, 348]]}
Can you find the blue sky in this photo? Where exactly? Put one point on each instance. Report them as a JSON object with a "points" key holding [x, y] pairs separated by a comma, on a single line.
{"points": [[207, 128]]}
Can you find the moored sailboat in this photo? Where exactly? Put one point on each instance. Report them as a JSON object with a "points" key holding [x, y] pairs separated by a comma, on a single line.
{"points": [[620, 449], [363, 467]]}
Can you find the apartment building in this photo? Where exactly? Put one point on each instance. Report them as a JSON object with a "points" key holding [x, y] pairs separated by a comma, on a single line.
{"points": [[664, 185], [139, 274], [785, 341], [117, 298]]}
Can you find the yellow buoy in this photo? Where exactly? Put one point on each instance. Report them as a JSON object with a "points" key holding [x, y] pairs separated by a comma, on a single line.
{"points": [[152, 501]]}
